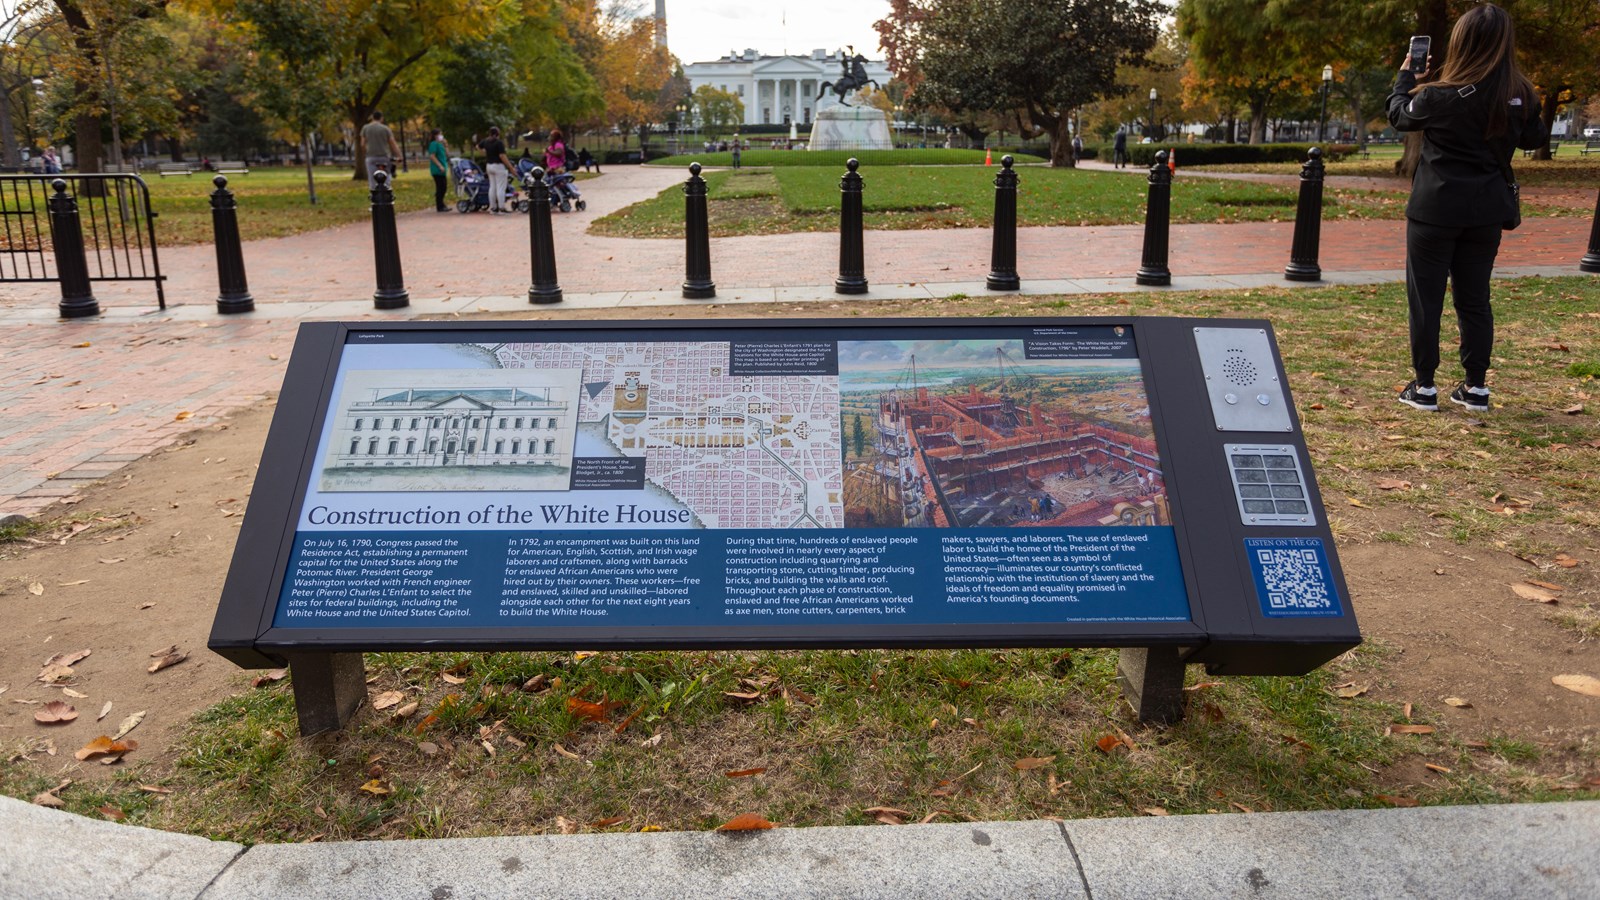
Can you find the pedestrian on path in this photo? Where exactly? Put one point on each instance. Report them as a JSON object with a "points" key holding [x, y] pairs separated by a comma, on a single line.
{"points": [[1077, 149], [1119, 148], [438, 167], [381, 148], [1472, 118], [585, 160], [499, 169], [736, 153], [555, 154]]}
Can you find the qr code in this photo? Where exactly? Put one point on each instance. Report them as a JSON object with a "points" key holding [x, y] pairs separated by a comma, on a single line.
{"points": [[1293, 578]]}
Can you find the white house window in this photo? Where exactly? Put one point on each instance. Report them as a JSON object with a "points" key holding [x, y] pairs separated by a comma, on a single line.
{"points": [[358, 425], [550, 423], [549, 447], [414, 424], [433, 446], [500, 446], [355, 446], [411, 446], [516, 447], [394, 446], [519, 423], [474, 422], [372, 447], [502, 422], [472, 446]]}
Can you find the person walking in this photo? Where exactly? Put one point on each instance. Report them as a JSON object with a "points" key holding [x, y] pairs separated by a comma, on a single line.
{"points": [[584, 159], [737, 155], [499, 169], [439, 168], [1077, 149], [1473, 117], [555, 153], [1119, 148], [380, 148]]}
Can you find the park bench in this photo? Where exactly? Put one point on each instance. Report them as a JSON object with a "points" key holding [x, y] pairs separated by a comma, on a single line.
{"points": [[1033, 483], [1554, 147], [231, 167], [1590, 147], [175, 168]]}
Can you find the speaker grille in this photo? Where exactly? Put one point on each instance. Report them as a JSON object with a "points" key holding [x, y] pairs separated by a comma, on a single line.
{"points": [[1241, 372]]}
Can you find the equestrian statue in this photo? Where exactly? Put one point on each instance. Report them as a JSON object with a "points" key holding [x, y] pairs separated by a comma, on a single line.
{"points": [[852, 78]]}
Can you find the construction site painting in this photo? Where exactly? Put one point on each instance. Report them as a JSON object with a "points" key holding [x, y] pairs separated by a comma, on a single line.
{"points": [[973, 433]]}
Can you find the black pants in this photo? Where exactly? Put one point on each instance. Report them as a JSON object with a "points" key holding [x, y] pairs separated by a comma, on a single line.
{"points": [[1464, 257], [439, 184]]}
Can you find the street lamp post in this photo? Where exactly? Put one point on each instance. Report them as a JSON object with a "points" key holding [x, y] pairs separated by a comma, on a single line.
{"points": [[1151, 127], [677, 127], [1322, 123]]}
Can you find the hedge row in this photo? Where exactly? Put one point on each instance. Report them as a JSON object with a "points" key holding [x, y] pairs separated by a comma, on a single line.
{"points": [[1225, 154], [835, 158]]}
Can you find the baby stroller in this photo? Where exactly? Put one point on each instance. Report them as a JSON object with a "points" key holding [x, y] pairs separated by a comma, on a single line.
{"points": [[472, 188], [564, 195]]}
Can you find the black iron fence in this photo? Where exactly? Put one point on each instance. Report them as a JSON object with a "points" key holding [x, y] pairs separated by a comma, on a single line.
{"points": [[115, 218]]}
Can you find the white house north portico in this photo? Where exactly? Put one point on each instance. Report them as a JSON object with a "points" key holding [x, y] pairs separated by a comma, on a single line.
{"points": [[777, 90]]}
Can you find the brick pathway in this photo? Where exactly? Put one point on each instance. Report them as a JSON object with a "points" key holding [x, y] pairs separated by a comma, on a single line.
{"points": [[80, 399]]}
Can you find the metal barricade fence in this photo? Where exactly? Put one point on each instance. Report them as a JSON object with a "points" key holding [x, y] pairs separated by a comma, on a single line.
{"points": [[118, 225]]}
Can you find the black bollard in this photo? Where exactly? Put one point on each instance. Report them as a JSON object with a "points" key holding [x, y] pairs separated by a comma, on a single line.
{"points": [[1591, 260], [697, 284], [233, 293], [1157, 220], [852, 259], [1003, 255], [1307, 223], [72, 267], [541, 239], [391, 293]]}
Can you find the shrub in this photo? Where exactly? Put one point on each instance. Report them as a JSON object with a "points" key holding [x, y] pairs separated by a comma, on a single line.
{"points": [[1225, 154]]}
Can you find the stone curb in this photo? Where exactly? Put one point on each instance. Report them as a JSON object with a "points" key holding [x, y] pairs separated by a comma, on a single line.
{"points": [[1521, 850]]}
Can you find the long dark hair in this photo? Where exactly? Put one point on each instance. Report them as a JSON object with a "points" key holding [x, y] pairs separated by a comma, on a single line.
{"points": [[1483, 52]]}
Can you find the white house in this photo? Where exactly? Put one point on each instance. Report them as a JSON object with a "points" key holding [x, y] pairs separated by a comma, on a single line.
{"points": [[454, 427], [777, 90]]}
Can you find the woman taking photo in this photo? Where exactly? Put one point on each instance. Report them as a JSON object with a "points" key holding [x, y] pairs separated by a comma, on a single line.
{"points": [[1472, 118]]}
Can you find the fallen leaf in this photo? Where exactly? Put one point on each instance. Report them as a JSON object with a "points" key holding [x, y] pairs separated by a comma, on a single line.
{"points": [[744, 773], [1587, 685], [147, 604], [452, 679], [154, 789], [129, 724], [1411, 729], [165, 651], [1565, 561], [1529, 592], [405, 712], [566, 825], [72, 583], [53, 674], [1405, 710], [746, 822], [1574, 409], [36, 589], [104, 745], [608, 821], [377, 788], [1317, 406], [584, 709], [48, 799], [1393, 484], [536, 683], [567, 753], [743, 695], [112, 562], [1108, 743], [1241, 807], [1394, 800], [268, 677], [429, 748], [55, 713], [488, 748], [1350, 691], [82, 345], [889, 818], [1443, 770], [1544, 584], [387, 699], [1204, 685], [1457, 702], [183, 416], [652, 740], [1030, 762], [1355, 502], [1154, 811], [76, 695], [104, 711], [167, 662]]}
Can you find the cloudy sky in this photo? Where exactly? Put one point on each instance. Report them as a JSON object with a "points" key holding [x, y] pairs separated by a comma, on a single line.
{"points": [[699, 30]]}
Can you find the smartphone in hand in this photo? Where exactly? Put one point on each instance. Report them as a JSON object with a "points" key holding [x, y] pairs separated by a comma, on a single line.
{"points": [[1421, 45]]}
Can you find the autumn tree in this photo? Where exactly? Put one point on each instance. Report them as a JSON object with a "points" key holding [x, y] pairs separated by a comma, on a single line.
{"points": [[717, 109], [970, 56], [641, 82]]}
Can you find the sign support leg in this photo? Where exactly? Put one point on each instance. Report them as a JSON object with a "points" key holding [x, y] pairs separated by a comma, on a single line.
{"points": [[328, 689], [1152, 681]]}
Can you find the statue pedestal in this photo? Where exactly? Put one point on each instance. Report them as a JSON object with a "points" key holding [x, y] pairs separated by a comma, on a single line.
{"points": [[843, 127]]}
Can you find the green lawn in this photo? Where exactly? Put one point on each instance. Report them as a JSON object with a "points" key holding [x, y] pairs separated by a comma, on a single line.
{"points": [[788, 199]]}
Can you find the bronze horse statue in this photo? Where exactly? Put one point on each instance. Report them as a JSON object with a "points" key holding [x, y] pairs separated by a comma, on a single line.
{"points": [[853, 78]]}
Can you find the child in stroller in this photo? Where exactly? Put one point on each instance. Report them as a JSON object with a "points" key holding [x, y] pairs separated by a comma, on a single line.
{"points": [[564, 195], [472, 188]]}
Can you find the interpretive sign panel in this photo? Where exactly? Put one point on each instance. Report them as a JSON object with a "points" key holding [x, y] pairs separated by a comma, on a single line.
{"points": [[886, 483]]}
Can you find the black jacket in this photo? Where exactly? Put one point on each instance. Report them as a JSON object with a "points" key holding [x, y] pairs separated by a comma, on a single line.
{"points": [[1460, 180]]}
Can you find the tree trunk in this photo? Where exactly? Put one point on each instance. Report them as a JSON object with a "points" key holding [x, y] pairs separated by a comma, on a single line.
{"points": [[1258, 120], [175, 148], [1061, 144], [9, 153], [1406, 165], [87, 146], [311, 182], [1547, 114]]}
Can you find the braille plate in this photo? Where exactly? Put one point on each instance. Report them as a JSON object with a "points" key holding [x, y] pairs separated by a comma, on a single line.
{"points": [[1269, 484], [1240, 373]]}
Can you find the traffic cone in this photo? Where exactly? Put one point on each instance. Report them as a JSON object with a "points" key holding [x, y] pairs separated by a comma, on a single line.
{"points": [[988, 157], [1172, 160]]}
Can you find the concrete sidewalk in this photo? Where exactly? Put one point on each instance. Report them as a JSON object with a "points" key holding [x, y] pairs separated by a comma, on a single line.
{"points": [[1523, 851]]}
